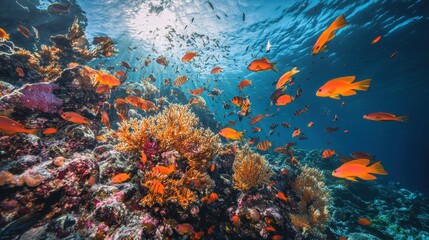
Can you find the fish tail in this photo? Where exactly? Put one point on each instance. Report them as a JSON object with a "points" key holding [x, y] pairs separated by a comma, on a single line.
{"points": [[377, 168], [33, 131], [273, 67], [340, 22], [295, 70], [362, 85], [403, 118]]}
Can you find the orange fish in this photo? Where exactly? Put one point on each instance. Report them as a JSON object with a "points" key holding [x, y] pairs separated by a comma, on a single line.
{"points": [[102, 88], [244, 83], [105, 119], [271, 183], [197, 91], [327, 153], [216, 70], [359, 168], [120, 73], [342, 238], [189, 56], [213, 197], [164, 170], [310, 124], [12, 127], [270, 229], [141, 103], [328, 35], [282, 196], [256, 118], [3, 34], [75, 117], [197, 236], [100, 138], [262, 64], [343, 86], [20, 72], [121, 177], [235, 220], [256, 129], [230, 133], [286, 77], [157, 187], [284, 100], [383, 116], [143, 158], [211, 229], [297, 132], [24, 31], [277, 237], [107, 79], [376, 40], [180, 80], [264, 145], [49, 131], [212, 167], [364, 222], [184, 228]]}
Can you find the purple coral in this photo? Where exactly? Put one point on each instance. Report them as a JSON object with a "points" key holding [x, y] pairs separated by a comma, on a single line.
{"points": [[39, 97], [151, 148]]}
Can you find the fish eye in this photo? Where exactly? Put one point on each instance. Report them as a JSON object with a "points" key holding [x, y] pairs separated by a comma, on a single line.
{"points": [[320, 90]]}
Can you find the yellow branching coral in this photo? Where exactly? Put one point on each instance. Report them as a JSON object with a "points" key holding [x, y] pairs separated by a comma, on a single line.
{"points": [[313, 205], [163, 189], [250, 170], [176, 129]]}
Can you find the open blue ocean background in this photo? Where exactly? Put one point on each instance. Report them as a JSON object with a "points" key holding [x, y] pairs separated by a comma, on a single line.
{"points": [[222, 37]]}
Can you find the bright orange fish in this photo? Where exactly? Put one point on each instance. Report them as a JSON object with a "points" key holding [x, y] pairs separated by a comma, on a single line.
{"points": [[121, 177], [12, 127], [343, 86], [197, 91], [277, 237], [284, 100], [310, 124], [189, 56], [105, 119], [164, 170], [143, 158], [235, 220], [198, 235], [216, 70], [141, 103], [184, 228], [262, 64], [20, 72], [383, 116], [327, 153], [244, 83], [286, 77], [3, 34], [230, 133], [364, 221], [157, 187], [106, 79], [297, 132], [102, 88], [212, 167], [359, 168], [328, 35], [120, 73], [270, 229], [256, 129], [49, 131], [376, 40], [213, 197], [75, 117], [282, 196]]}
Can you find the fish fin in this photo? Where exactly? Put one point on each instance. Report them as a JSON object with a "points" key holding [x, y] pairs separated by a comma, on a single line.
{"points": [[335, 96], [332, 35], [377, 168], [349, 93], [340, 22], [402, 118], [362, 85], [351, 179], [33, 131], [362, 161], [273, 67], [367, 176], [348, 79], [324, 48], [264, 59], [295, 70]]}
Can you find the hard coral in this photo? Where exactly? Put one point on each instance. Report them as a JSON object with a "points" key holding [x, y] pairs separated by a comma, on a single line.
{"points": [[250, 170], [313, 205]]}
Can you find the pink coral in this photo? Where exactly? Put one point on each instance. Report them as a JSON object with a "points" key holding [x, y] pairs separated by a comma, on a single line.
{"points": [[39, 97]]}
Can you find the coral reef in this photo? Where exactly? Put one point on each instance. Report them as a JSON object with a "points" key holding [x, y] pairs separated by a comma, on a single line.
{"points": [[250, 170], [312, 213]]}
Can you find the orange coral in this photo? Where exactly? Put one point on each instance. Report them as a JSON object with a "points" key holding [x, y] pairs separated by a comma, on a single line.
{"points": [[313, 205], [250, 170]]}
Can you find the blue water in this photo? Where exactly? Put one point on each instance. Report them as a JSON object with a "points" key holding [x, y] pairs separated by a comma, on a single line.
{"points": [[399, 84]]}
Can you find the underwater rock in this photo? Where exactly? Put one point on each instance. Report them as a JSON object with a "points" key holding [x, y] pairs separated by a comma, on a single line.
{"points": [[362, 236], [40, 97], [79, 137], [19, 145], [112, 213]]}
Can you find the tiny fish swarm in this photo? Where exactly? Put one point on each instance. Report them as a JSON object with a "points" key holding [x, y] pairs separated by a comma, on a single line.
{"points": [[250, 170]]}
